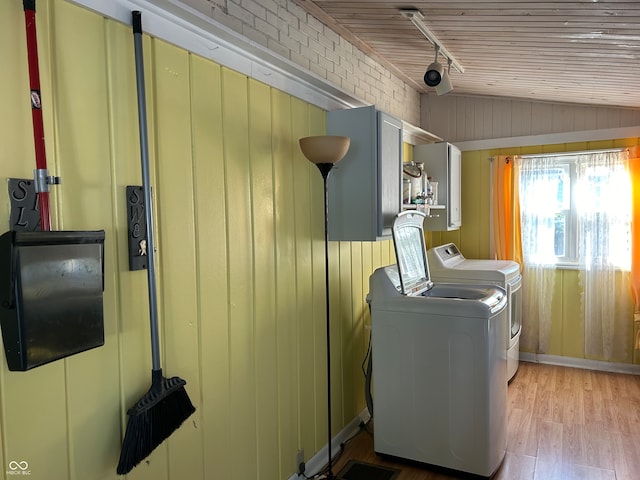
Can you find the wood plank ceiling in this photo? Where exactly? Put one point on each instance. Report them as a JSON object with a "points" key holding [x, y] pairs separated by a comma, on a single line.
{"points": [[584, 52]]}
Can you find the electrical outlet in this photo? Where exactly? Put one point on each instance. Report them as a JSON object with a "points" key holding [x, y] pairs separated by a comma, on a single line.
{"points": [[300, 461]]}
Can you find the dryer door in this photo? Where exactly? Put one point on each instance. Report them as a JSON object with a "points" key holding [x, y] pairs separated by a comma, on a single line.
{"points": [[514, 292]]}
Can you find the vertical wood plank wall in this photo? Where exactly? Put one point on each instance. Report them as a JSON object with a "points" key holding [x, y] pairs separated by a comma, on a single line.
{"points": [[567, 327], [239, 230], [459, 118]]}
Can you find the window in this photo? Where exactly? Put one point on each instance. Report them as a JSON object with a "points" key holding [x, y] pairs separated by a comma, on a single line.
{"points": [[576, 209]]}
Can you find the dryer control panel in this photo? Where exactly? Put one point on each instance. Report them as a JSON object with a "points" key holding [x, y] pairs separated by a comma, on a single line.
{"points": [[448, 251], [447, 255]]}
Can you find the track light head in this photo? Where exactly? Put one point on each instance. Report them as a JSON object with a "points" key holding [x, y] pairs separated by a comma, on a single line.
{"points": [[445, 85], [433, 76]]}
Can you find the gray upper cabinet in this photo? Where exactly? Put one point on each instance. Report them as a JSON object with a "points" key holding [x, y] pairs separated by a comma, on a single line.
{"points": [[365, 188], [443, 163]]}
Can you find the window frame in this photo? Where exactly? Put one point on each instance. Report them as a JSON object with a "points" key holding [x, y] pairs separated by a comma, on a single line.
{"points": [[570, 161]]}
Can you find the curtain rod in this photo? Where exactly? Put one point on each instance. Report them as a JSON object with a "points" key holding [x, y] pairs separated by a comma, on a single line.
{"points": [[568, 154]]}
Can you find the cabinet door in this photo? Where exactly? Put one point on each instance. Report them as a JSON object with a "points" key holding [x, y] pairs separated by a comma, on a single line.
{"points": [[389, 172], [353, 181], [365, 188], [455, 190]]}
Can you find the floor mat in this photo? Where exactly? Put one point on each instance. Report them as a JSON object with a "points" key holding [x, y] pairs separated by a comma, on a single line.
{"points": [[355, 470]]}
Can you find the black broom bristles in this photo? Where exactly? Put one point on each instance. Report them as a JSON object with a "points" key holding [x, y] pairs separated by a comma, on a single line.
{"points": [[153, 418]]}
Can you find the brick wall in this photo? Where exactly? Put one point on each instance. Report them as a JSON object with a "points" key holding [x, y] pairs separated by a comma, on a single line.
{"points": [[285, 28]]}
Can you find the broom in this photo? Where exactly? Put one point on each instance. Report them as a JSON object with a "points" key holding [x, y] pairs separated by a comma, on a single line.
{"points": [[166, 405]]}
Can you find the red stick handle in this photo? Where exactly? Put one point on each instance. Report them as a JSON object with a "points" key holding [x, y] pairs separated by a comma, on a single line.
{"points": [[36, 106]]}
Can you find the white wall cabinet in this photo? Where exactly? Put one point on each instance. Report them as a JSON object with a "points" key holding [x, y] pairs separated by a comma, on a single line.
{"points": [[443, 163], [365, 188]]}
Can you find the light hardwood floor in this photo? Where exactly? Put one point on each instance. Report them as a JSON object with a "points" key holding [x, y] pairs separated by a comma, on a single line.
{"points": [[564, 424]]}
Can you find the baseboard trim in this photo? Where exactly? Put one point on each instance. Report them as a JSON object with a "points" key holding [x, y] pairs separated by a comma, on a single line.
{"points": [[580, 363], [319, 460]]}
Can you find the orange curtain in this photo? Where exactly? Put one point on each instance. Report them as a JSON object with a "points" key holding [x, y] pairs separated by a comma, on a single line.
{"points": [[634, 173], [506, 209]]}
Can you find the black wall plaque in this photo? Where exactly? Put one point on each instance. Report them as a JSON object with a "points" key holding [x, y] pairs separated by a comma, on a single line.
{"points": [[25, 213], [137, 224]]}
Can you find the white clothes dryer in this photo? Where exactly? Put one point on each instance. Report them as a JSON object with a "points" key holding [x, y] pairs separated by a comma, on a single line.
{"points": [[447, 264], [439, 362]]}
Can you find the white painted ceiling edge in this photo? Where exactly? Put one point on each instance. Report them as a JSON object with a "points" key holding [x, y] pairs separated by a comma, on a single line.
{"points": [[185, 27]]}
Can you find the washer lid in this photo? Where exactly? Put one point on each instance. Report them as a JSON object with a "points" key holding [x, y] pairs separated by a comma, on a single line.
{"points": [[448, 264], [411, 252]]}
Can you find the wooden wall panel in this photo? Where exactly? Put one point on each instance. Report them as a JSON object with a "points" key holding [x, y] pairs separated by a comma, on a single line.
{"points": [[265, 319], [86, 201], [558, 307], [345, 342], [176, 255], [571, 320], [309, 284], [356, 335], [475, 206], [211, 266], [289, 349], [235, 104], [459, 118]]}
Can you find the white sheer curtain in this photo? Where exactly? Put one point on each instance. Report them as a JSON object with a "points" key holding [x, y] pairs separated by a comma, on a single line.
{"points": [[604, 211], [537, 209]]}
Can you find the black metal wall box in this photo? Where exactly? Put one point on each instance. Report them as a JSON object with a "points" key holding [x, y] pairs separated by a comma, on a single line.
{"points": [[51, 289]]}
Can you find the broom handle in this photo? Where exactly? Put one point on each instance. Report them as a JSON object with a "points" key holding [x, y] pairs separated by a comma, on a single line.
{"points": [[146, 186], [36, 107]]}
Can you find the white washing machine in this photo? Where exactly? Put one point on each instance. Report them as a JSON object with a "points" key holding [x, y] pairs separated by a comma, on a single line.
{"points": [[439, 362], [449, 265]]}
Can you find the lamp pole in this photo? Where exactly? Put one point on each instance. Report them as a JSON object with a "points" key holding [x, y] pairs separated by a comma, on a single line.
{"points": [[325, 168], [325, 152]]}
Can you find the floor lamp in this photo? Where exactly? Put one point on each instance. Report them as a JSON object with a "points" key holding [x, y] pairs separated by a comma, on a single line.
{"points": [[325, 152]]}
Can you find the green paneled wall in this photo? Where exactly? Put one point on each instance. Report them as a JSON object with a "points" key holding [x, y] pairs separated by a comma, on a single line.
{"points": [[239, 230], [567, 326]]}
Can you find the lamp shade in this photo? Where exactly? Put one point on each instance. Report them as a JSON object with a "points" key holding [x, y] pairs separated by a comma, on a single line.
{"points": [[325, 148]]}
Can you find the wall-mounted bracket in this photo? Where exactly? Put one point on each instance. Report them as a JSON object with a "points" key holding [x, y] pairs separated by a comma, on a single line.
{"points": [[42, 180], [137, 227]]}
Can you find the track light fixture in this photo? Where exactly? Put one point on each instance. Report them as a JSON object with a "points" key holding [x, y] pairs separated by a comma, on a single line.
{"points": [[435, 75]]}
